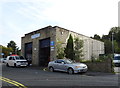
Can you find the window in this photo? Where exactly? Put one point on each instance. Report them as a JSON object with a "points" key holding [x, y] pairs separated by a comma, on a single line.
{"points": [[60, 61], [11, 58], [68, 61], [19, 58], [117, 58]]}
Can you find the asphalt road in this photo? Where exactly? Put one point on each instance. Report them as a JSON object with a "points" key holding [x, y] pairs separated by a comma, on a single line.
{"points": [[35, 77]]}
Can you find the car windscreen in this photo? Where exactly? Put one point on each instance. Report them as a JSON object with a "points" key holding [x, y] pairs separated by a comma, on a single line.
{"points": [[117, 58], [68, 61], [19, 57]]}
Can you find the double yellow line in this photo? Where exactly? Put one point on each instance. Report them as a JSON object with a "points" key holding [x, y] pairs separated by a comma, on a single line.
{"points": [[19, 85]]}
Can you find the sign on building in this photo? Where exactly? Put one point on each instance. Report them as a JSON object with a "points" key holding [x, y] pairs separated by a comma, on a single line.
{"points": [[35, 36], [52, 43]]}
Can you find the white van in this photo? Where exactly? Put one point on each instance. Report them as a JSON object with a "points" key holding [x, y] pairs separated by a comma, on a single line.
{"points": [[116, 59], [16, 61]]}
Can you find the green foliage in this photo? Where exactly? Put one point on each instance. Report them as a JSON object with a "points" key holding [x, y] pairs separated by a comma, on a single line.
{"points": [[15, 49], [12, 45], [6, 51], [69, 50], [115, 31], [107, 39], [97, 37], [100, 59], [118, 39], [95, 60], [116, 47], [85, 61], [73, 50], [78, 49], [108, 46]]}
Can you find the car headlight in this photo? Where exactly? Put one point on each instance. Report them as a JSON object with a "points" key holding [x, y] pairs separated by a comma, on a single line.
{"points": [[77, 66]]}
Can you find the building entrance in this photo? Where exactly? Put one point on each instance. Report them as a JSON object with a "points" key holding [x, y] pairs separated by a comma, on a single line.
{"points": [[28, 52], [44, 52]]}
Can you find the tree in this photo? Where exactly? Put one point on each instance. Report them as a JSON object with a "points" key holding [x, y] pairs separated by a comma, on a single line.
{"points": [[14, 47], [115, 31], [78, 49], [116, 47], [107, 39], [97, 37], [6, 51], [108, 46], [69, 50], [118, 38]]}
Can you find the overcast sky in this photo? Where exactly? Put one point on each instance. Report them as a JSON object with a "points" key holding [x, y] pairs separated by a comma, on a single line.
{"points": [[87, 17]]}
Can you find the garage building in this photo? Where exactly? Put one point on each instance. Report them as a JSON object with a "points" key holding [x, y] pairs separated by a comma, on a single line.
{"points": [[40, 46]]}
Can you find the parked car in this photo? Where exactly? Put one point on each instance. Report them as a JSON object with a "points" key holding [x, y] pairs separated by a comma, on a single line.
{"points": [[3, 60], [67, 65], [16, 61], [116, 59]]}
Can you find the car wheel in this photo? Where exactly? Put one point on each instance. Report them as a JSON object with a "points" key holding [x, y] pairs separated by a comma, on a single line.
{"points": [[51, 69], [70, 71], [7, 65], [14, 64]]}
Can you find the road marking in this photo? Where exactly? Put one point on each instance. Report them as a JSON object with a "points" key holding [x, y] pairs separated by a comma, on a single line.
{"points": [[19, 85]]}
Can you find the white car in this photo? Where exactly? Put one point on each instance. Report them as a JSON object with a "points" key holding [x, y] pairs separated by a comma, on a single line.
{"points": [[16, 61], [116, 59], [67, 65]]}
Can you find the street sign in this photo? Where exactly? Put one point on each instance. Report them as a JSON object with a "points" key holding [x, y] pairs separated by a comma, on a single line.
{"points": [[52, 48], [52, 43]]}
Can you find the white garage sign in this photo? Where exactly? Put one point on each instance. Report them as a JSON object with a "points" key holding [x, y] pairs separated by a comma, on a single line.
{"points": [[35, 36]]}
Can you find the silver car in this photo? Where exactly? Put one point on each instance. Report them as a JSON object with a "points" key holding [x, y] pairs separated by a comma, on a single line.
{"points": [[67, 65]]}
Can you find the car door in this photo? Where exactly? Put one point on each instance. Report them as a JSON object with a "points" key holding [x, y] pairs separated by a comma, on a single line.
{"points": [[62, 66], [9, 61], [56, 65], [12, 61]]}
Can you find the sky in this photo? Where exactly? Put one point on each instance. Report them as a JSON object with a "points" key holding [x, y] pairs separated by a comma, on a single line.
{"points": [[87, 17]]}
